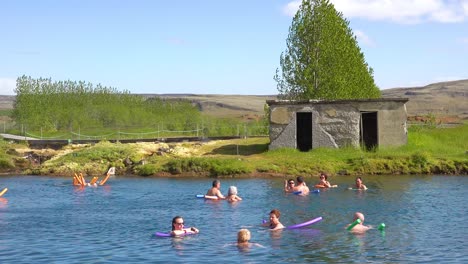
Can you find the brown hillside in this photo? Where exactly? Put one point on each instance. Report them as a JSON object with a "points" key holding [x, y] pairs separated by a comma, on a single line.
{"points": [[441, 99]]}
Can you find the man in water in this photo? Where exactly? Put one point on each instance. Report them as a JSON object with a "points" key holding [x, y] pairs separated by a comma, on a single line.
{"points": [[301, 186], [359, 185], [359, 228], [215, 190], [289, 185]]}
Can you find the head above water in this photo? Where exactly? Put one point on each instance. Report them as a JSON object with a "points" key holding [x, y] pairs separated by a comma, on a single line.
{"points": [[177, 221], [232, 190], [360, 216], [324, 176], [243, 236], [216, 183], [276, 212], [300, 179]]}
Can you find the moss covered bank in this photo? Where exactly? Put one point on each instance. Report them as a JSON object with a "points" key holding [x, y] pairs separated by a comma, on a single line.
{"points": [[429, 151]]}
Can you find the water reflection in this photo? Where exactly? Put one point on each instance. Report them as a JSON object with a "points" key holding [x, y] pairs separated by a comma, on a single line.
{"points": [[3, 202]]}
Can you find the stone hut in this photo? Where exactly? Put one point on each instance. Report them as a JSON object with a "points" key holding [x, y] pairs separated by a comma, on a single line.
{"points": [[318, 123]]}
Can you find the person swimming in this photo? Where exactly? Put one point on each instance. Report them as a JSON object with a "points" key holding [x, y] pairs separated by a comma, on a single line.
{"points": [[232, 195], [178, 227], [324, 183], [360, 227], [275, 223], [301, 186], [243, 239], [215, 190], [359, 185], [289, 185]]}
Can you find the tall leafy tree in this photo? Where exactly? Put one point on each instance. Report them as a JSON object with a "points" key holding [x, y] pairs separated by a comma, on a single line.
{"points": [[323, 59]]}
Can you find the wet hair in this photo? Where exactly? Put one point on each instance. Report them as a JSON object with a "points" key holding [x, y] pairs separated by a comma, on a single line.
{"points": [[276, 212], [174, 220], [215, 182], [324, 175], [359, 178], [232, 190], [300, 179], [243, 236], [290, 180]]}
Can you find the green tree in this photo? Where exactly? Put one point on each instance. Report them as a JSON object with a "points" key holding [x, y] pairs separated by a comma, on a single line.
{"points": [[323, 59]]}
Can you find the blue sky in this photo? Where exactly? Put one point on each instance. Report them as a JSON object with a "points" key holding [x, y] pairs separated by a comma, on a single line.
{"points": [[215, 46]]}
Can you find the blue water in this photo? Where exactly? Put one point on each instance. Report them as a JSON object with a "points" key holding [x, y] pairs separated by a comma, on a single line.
{"points": [[46, 220]]}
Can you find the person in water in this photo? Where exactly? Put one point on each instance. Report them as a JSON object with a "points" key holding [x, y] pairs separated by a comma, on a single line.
{"points": [[79, 180], [359, 228], [359, 185], [243, 239], [301, 186], [232, 195], [275, 223], [324, 183], [289, 185], [215, 190], [178, 227]]}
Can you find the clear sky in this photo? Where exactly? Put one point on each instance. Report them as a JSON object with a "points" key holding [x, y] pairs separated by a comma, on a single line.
{"points": [[217, 46]]}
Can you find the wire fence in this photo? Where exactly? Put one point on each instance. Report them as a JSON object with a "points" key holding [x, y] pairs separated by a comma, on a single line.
{"points": [[90, 133]]}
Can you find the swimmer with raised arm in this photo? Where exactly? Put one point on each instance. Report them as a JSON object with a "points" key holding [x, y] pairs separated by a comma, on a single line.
{"points": [[289, 185], [178, 227], [215, 190], [359, 228]]}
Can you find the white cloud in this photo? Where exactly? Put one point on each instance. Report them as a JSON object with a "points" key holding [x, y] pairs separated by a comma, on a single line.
{"points": [[363, 38], [291, 8], [7, 86], [399, 11]]}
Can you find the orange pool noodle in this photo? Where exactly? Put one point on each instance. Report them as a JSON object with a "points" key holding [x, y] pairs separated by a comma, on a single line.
{"points": [[105, 179], [93, 181]]}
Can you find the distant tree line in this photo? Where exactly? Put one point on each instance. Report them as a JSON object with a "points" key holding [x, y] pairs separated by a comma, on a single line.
{"points": [[53, 106], [64, 105]]}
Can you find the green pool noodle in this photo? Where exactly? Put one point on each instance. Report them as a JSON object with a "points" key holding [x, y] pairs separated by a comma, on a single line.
{"points": [[353, 224], [381, 226]]}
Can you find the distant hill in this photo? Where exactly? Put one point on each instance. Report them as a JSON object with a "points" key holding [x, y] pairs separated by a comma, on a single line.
{"points": [[441, 99], [247, 107]]}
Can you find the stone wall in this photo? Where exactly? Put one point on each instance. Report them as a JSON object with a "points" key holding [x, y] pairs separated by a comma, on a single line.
{"points": [[336, 124]]}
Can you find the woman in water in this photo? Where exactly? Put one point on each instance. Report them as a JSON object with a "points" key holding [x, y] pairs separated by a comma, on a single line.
{"points": [[243, 239], [178, 227], [324, 183], [275, 223], [232, 195]]}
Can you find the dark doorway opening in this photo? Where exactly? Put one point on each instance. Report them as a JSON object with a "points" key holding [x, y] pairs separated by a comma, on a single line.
{"points": [[368, 131], [304, 131]]}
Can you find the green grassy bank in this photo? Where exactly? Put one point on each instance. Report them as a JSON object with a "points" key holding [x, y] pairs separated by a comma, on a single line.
{"points": [[429, 151]]}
